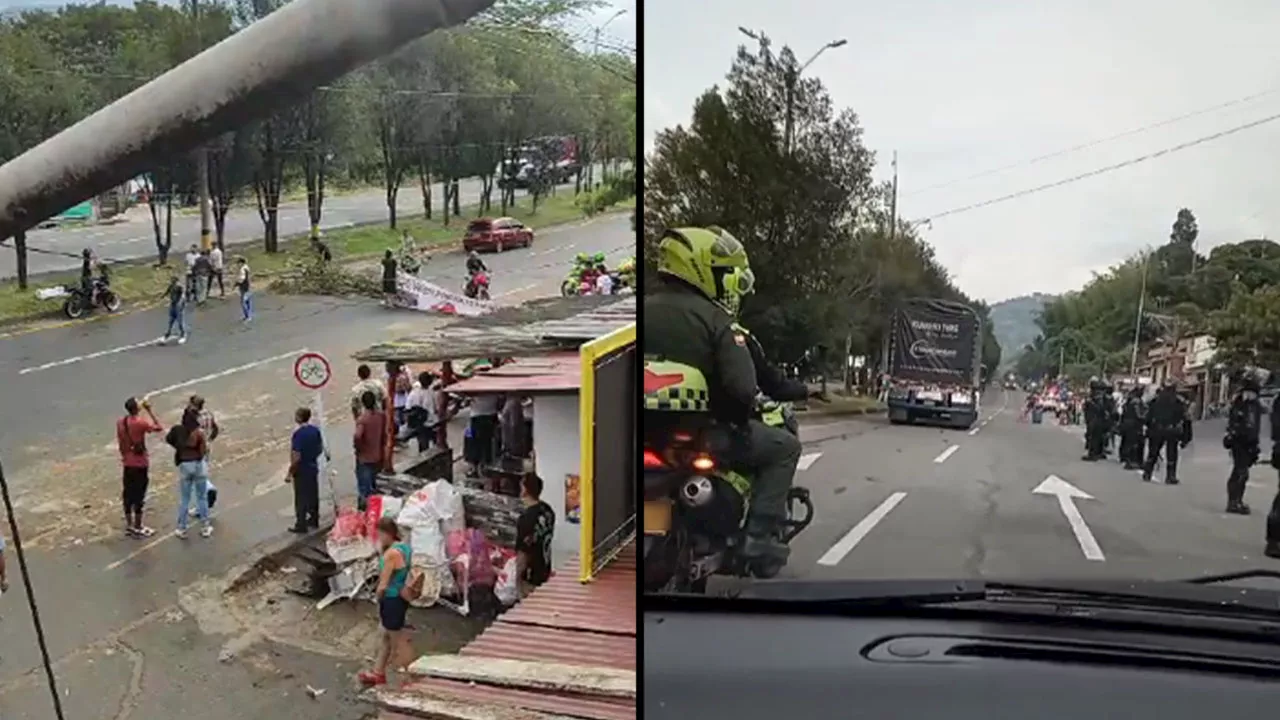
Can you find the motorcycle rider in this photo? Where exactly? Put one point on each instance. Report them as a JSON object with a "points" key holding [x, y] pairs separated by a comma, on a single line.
{"points": [[86, 274], [1131, 419], [703, 273], [769, 378], [1167, 430], [1244, 423], [1095, 421], [474, 266]]}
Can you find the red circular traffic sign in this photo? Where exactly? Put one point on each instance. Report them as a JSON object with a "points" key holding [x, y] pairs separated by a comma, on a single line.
{"points": [[312, 370]]}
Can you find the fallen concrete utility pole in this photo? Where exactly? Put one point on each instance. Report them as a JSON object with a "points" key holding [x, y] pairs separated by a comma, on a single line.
{"points": [[276, 60]]}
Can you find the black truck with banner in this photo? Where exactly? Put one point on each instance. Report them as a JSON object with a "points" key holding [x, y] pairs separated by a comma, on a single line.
{"points": [[935, 362]]}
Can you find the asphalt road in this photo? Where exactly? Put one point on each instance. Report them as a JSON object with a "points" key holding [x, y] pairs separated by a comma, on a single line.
{"points": [[135, 238], [920, 502], [136, 627]]}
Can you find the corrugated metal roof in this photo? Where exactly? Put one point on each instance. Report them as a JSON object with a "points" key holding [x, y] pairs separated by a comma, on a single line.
{"points": [[539, 327], [565, 621], [552, 373]]}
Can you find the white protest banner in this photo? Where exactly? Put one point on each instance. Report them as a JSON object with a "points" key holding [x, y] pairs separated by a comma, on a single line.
{"points": [[418, 294]]}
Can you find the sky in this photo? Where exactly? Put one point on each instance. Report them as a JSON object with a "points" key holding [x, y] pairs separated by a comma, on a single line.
{"points": [[960, 88]]}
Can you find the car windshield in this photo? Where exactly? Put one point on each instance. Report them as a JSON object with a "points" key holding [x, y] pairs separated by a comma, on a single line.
{"points": [[479, 226], [1003, 347]]}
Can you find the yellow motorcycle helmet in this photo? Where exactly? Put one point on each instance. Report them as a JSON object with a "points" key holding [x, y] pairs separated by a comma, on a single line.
{"points": [[710, 260]]}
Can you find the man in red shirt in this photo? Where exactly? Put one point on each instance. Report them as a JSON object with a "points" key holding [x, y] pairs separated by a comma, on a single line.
{"points": [[369, 436], [131, 436]]}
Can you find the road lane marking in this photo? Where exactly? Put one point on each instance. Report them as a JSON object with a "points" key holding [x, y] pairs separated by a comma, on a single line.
{"points": [[807, 460], [223, 373], [846, 544], [946, 454], [1067, 495], [90, 356], [520, 289]]}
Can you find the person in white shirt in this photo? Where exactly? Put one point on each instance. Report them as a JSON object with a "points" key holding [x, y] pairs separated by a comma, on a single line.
{"points": [[242, 284], [215, 261], [421, 411], [604, 284], [193, 254]]}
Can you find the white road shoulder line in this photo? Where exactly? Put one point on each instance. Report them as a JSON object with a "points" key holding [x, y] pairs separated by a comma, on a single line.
{"points": [[846, 544], [806, 461], [946, 454], [90, 356], [223, 373]]}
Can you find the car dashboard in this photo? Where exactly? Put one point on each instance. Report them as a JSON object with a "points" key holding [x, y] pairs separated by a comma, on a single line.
{"points": [[771, 666]]}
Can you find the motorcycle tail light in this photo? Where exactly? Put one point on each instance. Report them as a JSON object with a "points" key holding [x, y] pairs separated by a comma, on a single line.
{"points": [[702, 463], [652, 461]]}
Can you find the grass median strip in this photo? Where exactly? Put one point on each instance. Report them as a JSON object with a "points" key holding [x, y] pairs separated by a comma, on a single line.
{"points": [[142, 281]]}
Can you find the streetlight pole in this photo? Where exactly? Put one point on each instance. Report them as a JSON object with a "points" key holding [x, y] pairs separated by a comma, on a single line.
{"points": [[1137, 322], [595, 44], [202, 156], [793, 76]]}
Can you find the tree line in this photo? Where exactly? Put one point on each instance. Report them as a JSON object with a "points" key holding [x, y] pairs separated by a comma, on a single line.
{"points": [[830, 259], [1233, 295], [455, 104]]}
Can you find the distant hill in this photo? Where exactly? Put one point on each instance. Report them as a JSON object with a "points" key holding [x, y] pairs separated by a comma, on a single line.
{"points": [[1014, 323]]}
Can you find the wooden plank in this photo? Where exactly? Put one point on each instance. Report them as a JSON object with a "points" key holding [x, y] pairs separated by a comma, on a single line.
{"points": [[420, 705], [540, 676]]}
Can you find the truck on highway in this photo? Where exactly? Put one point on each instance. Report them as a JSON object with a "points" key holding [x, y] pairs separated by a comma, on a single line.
{"points": [[934, 363]]}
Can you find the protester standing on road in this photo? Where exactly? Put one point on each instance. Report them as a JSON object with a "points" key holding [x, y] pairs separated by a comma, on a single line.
{"points": [[389, 278], [203, 274], [131, 437], [306, 447], [1095, 410], [368, 439], [210, 427], [401, 383], [191, 448], [1167, 429], [421, 411], [366, 384], [242, 285], [1244, 425], [215, 266], [177, 297], [193, 254]]}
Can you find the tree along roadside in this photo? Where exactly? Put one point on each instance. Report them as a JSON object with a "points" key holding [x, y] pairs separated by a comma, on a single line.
{"points": [[138, 284]]}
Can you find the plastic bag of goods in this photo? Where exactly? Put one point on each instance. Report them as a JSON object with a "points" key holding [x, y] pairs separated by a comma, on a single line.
{"points": [[447, 503], [507, 585], [418, 509], [378, 507], [347, 541], [429, 553], [469, 553]]}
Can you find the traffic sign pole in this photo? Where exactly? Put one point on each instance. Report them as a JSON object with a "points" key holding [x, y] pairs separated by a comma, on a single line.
{"points": [[312, 371]]}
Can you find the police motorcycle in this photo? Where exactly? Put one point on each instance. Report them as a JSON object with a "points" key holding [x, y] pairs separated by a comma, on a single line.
{"points": [[695, 508]]}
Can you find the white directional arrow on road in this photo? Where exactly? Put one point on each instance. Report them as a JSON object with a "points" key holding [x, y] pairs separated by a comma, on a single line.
{"points": [[1067, 495]]}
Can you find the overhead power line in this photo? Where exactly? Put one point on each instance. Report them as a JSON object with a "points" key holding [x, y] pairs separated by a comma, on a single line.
{"points": [[1099, 141], [1103, 170]]}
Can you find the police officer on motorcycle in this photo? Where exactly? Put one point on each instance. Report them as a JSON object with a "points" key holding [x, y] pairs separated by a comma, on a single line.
{"points": [[703, 274], [771, 380], [1131, 419], [1167, 430], [1244, 423]]}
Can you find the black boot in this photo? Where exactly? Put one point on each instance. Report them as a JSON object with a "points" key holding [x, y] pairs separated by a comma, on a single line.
{"points": [[761, 543], [1272, 550], [1238, 507]]}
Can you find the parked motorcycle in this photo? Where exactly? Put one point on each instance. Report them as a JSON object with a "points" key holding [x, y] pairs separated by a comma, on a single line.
{"points": [[694, 509], [77, 303]]}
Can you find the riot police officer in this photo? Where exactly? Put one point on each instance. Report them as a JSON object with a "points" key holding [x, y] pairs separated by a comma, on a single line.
{"points": [[1167, 430], [1096, 416], [1131, 419], [1244, 421]]}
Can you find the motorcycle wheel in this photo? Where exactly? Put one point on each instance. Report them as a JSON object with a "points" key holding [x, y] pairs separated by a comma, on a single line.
{"points": [[110, 301], [568, 288], [73, 308], [767, 569]]}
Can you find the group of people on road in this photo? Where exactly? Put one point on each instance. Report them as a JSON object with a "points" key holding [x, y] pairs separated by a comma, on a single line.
{"points": [[1148, 431], [190, 439], [203, 267], [1160, 427]]}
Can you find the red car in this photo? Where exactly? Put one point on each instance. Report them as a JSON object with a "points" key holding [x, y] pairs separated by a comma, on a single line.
{"points": [[496, 234]]}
